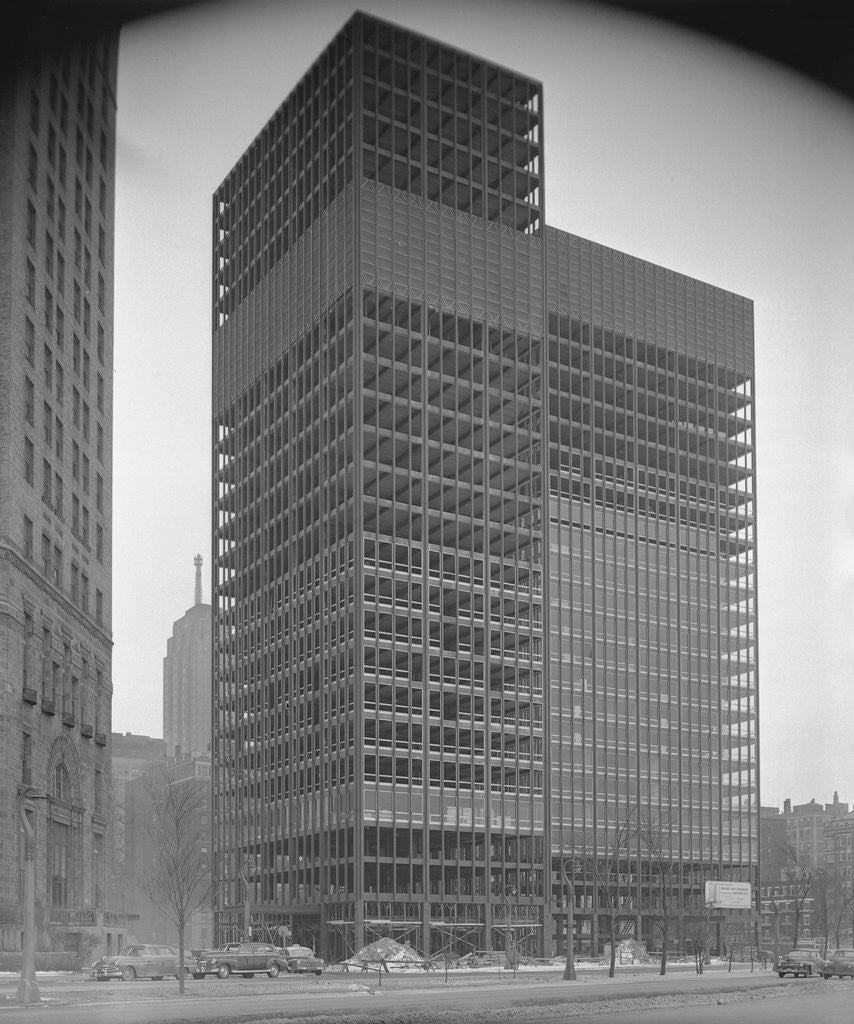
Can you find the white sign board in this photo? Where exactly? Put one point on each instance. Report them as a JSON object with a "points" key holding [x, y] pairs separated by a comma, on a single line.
{"points": [[729, 895]]}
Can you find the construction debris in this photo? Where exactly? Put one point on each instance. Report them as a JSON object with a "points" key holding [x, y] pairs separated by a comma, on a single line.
{"points": [[386, 954]]}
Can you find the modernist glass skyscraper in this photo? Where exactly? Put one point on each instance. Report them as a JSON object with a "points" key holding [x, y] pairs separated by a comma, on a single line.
{"points": [[483, 519]]}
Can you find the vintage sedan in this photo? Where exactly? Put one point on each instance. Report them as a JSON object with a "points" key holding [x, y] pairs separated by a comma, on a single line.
{"points": [[246, 958], [143, 961], [801, 963], [301, 960], [841, 962]]}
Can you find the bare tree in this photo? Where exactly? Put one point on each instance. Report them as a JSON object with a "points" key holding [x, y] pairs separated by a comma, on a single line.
{"points": [[799, 879], [179, 879], [663, 871], [834, 897], [699, 934], [606, 868]]}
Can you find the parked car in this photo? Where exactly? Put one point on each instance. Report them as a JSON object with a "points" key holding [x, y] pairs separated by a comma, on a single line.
{"points": [[841, 962], [301, 960], [143, 961], [246, 958], [800, 962]]}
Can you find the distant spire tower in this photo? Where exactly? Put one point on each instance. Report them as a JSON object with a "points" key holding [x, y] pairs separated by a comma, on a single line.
{"points": [[197, 561]]}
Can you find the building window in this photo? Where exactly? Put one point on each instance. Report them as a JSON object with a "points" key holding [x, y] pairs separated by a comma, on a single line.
{"points": [[99, 492], [29, 460], [75, 515], [101, 343], [60, 381], [75, 582], [60, 273], [99, 607], [85, 474], [99, 542], [46, 552], [29, 401], [87, 370], [48, 254], [48, 426], [84, 592], [57, 566], [30, 283], [98, 849], [100, 443], [75, 407], [48, 309], [60, 219], [47, 482], [33, 170], [31, 224], [60, 856], [100, 293], [57, 493], [30, 341], [75, 460], [28, 538], [27, 752], [100, 393]]}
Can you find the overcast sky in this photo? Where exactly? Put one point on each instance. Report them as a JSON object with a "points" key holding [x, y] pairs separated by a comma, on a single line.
{"points": [[657, 142]]}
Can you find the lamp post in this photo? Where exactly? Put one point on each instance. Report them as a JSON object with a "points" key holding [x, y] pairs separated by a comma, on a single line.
{"points": [[28, 990], [569, 970]]}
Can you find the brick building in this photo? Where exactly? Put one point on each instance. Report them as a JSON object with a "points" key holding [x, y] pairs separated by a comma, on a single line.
{"points": [[57, 169]]}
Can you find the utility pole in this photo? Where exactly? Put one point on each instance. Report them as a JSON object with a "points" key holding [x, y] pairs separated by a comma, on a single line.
{"points": [[28, 990]]}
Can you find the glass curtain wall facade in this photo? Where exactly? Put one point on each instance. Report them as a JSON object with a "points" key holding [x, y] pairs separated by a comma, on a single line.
{"points": [[382, 509], [652, 598]]}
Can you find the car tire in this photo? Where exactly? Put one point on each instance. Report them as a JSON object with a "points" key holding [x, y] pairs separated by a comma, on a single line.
{"points": [[273, 971], [248, 974], [186, 974], [128, 974], [223, 971], [198, 976], [318, 973], [157, 977]]}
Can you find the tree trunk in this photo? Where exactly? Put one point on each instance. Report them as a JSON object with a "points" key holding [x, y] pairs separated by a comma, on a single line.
{"points": [[612, 968], [664, 930], [181, 969]]}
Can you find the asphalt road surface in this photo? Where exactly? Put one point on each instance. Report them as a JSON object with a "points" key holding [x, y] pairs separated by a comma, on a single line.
{"points": [[828, 1007], [538, 1000]]}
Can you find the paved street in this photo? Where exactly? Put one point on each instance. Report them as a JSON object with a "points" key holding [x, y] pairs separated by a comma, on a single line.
{"points": [[469, 996]]}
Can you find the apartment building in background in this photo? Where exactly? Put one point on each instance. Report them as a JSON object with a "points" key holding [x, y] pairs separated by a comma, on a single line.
{"points": [[57, 183], [484, 538], [187, 679], [807, 872]]}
